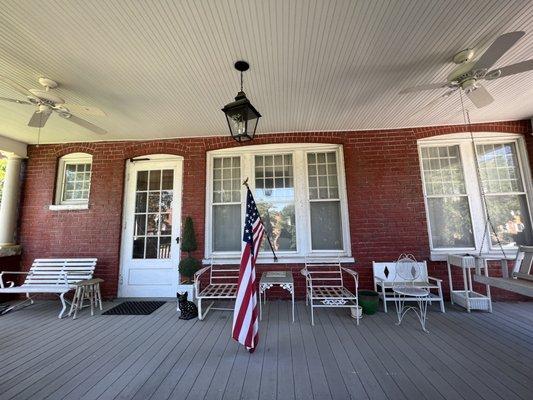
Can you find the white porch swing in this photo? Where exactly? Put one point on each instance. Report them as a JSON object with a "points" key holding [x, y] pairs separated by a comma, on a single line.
{"points": [[521, 279]]}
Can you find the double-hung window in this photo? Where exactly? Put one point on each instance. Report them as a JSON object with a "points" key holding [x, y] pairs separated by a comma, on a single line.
{"points": [[300, 193], [465, 182]]}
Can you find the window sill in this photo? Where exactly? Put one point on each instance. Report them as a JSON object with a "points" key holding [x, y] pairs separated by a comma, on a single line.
{"points": [[68, 207], [281, 260]]}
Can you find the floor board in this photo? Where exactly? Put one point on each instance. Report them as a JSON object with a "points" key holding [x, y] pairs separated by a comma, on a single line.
{"points": [[465, 356]]}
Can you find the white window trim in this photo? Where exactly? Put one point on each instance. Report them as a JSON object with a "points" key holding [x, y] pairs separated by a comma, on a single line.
{"points": [[477, 210], [59, 203], [302, 213]]}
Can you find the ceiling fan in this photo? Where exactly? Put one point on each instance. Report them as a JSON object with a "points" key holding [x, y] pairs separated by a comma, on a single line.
{"points": [[47, 102], [470, 72]]}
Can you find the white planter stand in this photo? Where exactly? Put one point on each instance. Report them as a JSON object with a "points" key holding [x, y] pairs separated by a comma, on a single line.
{"points": [[468, 298]]}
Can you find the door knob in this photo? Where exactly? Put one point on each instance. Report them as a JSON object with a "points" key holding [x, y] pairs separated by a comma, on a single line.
{"points": [[178, 240]]}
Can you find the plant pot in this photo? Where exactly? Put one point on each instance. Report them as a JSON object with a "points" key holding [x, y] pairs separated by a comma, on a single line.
{"points": [[369, 301], [356, 312]]}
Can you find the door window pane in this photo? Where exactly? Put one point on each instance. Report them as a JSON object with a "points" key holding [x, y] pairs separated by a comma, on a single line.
{"points": [[153, 214], [274, 196]]}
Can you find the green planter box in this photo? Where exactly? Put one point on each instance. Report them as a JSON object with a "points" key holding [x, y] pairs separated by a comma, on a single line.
{"points": [[369, 301]]}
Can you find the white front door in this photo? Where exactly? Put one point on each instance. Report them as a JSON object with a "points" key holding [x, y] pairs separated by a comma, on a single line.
{"points": [[152, 216]]}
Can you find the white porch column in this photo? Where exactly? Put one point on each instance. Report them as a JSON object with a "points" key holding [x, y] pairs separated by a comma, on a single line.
{"points": [[10, 198]]}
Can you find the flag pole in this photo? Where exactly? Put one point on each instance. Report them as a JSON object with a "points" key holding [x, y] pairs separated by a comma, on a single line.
{"points": [[245, 183]]}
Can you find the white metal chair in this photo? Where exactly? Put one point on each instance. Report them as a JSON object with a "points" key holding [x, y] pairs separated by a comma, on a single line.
{"points": [[223, 280], [324, 285], [405, 289]]}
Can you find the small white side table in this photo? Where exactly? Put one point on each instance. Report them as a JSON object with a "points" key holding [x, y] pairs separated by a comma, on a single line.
{"points": [[422, 299], [269, 279]]}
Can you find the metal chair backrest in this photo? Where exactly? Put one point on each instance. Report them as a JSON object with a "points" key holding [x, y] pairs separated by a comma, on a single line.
{"points": [[408, 271], [224, 274], [327, 273]]}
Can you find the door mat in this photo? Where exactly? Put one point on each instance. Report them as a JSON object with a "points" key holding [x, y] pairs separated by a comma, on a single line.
{"points": [[135, 308]]}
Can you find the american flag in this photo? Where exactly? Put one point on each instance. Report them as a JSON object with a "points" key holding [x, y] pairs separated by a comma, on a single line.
{"points": [[245, 321]]}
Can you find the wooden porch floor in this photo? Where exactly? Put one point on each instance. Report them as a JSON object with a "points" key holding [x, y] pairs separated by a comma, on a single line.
{"points": [[477, 356]]}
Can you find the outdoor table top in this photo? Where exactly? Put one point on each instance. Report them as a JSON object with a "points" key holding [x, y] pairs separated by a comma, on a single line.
{"points": [[277, 277]]}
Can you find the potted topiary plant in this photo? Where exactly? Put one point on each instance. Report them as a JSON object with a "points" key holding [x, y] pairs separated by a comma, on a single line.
{"points": [[188, 265]]}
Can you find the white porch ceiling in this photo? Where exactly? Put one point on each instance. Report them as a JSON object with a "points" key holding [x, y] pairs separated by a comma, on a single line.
{"points": [[163, 69]]}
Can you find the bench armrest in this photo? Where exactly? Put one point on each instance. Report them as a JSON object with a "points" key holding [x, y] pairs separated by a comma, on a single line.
{"points": [[201, 271], [11, 283], [197, 275], [430, 278]]}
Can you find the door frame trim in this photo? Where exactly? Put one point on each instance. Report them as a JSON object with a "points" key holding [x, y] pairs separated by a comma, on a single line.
{"points": [[150, 158]]}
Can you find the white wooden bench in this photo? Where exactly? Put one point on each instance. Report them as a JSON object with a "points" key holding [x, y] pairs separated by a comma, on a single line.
{"points": [[223, 280], [324, 285], [47, 275], [385, 276]]}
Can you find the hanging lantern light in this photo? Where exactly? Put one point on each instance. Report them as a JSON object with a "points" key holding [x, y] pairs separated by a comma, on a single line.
{"points": [[241, 115]]}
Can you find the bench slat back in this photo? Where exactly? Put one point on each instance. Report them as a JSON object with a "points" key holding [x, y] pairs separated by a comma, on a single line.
{"points": [[325, 274], [52, 271], [224, 274], [387, 272], [524, 260]]}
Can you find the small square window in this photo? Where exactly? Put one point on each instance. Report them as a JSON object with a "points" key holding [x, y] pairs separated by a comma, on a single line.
{"points": [[74, 179]]}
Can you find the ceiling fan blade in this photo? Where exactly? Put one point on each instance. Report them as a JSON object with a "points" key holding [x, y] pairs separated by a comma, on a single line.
{"points": [[85, 124], [16, 101], [510, 70], [433, 103], [15, 86], [39, 118], [479, 96], [497, 49], [430, 86], [78, 109]]}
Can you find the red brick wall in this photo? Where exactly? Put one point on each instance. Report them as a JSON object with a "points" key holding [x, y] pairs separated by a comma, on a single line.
{"points": [[385, 201]]}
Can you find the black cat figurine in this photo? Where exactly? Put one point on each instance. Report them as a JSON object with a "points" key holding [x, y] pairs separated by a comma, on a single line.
{"points": [[187, 308]]}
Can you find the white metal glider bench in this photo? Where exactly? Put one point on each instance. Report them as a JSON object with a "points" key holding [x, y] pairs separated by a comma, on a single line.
{"points": [[223, 280], [56, 276], [324, 284], [385, 276], [521, 281]]}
